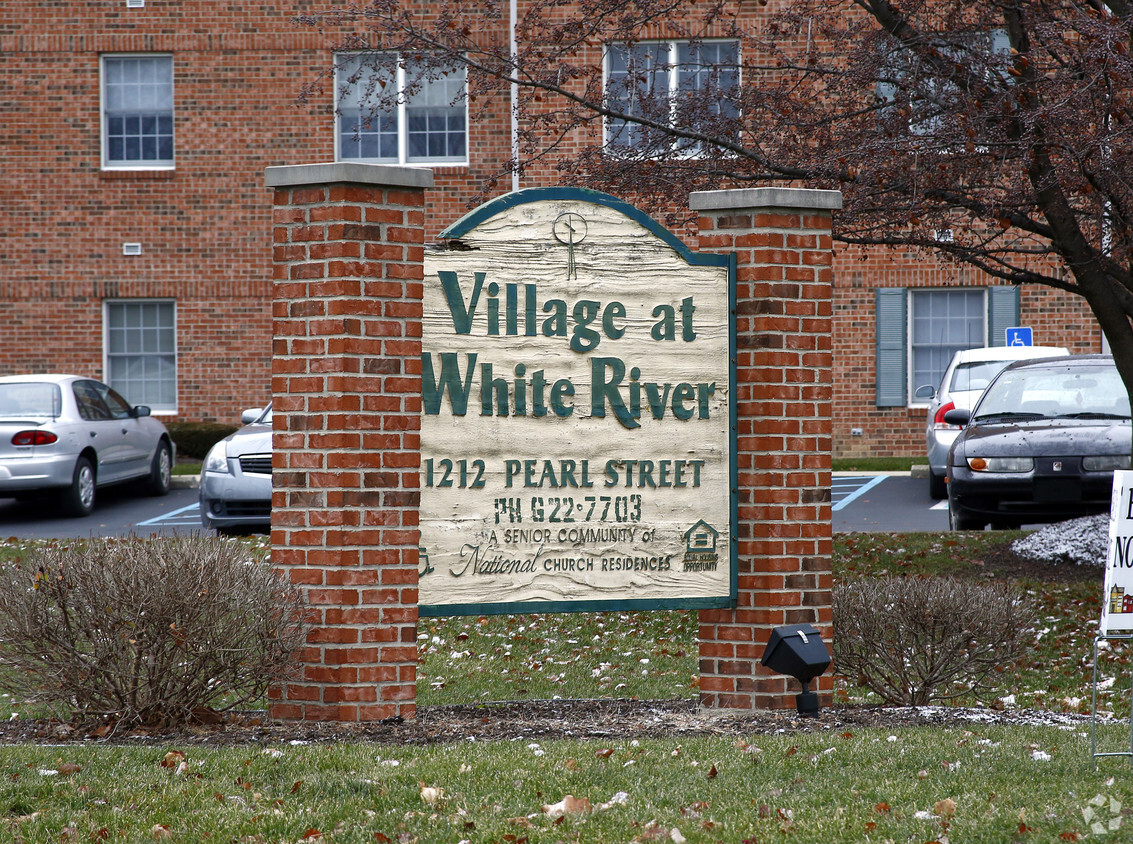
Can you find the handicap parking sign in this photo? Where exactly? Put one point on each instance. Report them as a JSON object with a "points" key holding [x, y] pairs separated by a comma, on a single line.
{"points": [[1020, 336]]}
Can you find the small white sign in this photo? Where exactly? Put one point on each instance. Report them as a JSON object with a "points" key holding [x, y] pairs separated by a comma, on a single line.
{"points": [[1117, 603]]}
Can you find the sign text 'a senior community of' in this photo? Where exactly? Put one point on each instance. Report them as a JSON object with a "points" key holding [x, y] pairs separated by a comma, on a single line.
{"points": [[577, 433]]}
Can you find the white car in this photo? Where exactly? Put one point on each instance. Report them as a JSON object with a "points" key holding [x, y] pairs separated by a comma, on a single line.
{"points": [[964, 380], [64, 436], [235, 489]]}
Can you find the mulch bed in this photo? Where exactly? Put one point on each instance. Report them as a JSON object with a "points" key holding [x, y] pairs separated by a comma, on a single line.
{"points": [[611, 720], [1003, 563]]}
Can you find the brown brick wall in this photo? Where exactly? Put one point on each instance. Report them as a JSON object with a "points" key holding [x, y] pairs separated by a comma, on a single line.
{"points": [[784, 404], [347, 384], [205, 227]]}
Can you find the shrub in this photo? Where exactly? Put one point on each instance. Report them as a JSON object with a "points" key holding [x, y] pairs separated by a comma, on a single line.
{"points": [[151, 631], [918, 640], [194, 439]]}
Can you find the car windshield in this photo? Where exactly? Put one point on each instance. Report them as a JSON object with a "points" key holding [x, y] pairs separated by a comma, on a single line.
{"points": [[24, 399], [975, 375], [265, 417], [1081, 392]]}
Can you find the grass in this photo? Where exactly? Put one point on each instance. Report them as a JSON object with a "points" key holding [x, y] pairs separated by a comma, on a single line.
{"points": [[878, 464], [1006, 784], [653, 655], [983, 784]]}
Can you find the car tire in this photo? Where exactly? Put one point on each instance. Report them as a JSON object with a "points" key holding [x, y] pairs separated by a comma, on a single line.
{"points": [[161, 470], [78, 498], [960, 520], [937, 487]]}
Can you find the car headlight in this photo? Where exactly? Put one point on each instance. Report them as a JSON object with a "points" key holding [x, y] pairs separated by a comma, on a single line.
{"points": [[217, 459], [1001, 464], [1105, 462]]}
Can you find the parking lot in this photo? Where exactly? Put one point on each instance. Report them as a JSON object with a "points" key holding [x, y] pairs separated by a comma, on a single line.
{"points": [[118, 512], [893, 502]]}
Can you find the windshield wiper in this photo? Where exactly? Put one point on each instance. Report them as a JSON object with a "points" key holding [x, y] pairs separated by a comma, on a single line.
{"points": [[1005, 415], [1090, 414]]}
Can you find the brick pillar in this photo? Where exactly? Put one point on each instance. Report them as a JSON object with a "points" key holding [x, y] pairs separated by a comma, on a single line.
{"points": [[781, 239], [346, 379]]}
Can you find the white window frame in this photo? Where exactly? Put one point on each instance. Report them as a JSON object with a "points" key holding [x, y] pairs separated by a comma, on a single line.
{"points": [[403, 104], [104, 116], [974, 342], [673, 70], [159, 408]]}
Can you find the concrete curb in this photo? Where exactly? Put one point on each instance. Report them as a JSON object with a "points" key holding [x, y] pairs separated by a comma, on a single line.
{"points": [[185, 482]]}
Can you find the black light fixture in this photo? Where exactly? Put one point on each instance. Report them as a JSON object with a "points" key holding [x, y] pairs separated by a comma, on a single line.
{"points": [[798, 652]]}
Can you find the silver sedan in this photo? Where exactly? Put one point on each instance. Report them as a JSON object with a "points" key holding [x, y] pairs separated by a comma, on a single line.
{"points": [[64, 436], [236, 478]]}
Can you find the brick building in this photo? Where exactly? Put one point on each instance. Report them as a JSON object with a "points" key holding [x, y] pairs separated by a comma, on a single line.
{"points": [[137, 230]]}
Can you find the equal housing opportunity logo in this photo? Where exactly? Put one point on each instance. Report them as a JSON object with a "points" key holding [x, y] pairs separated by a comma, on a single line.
{"points": [[700, 547]]}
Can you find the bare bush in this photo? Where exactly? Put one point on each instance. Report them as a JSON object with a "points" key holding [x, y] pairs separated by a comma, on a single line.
{"points": [[918, 640], [145, 631]]}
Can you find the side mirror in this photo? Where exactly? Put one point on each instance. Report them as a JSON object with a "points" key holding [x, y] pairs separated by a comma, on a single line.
{"points": [[140, 411], [958, 416], [926, 391], [251, 415]]}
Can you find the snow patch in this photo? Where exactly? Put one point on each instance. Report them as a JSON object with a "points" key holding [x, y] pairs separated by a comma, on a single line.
{"points": [[1079, 541]]}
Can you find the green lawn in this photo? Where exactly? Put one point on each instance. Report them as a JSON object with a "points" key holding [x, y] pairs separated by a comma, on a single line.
{"points": [[878, 464], [983, 784]]}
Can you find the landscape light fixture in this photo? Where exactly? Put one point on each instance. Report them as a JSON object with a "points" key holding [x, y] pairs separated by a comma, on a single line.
{"points": [[798, 652]]}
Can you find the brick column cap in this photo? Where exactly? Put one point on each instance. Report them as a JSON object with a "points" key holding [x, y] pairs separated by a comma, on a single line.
{"points": [[793, 198], [352, 172]]}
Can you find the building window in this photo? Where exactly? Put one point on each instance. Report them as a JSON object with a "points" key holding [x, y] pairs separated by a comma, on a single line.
{"points": [[928, 100], [674, 84], [141, 351], [426, 123], [137, 111], [942, 322], [917, 331]]}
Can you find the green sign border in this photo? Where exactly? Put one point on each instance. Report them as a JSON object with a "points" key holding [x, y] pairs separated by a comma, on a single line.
{"points": [[523, 197]]}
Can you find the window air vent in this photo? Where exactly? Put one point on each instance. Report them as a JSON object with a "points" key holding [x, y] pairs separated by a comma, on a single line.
{"points": [[135, 4], [131, 249]]}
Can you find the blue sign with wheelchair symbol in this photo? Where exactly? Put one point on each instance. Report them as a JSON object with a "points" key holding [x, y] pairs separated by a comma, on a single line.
{"points": [[1020, 336]]}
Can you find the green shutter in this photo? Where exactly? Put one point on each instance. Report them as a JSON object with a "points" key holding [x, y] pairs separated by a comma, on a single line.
{"points": [[892, 348], [1002, 313]]}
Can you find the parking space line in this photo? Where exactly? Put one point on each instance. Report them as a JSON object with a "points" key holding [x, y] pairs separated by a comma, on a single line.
{"points": [[865, 487], [165, 517]]}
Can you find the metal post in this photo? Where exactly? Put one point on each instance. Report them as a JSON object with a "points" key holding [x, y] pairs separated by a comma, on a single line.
{"points": [[1094, 707]]}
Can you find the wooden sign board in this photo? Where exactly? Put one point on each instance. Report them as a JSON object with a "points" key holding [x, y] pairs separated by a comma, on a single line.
{"points": [[577, 433]]}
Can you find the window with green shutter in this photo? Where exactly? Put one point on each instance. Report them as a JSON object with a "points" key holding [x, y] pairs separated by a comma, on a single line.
{"points": [[918, 331]]}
